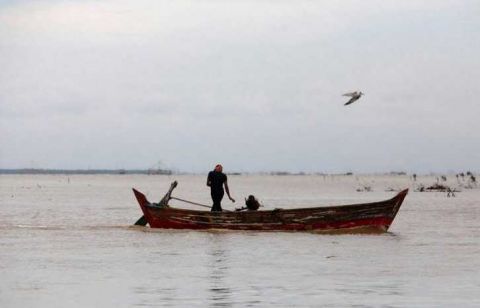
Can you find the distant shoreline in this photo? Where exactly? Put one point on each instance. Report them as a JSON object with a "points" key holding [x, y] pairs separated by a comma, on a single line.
{"points": [[161, 172], [85, 171], [33, 171]]}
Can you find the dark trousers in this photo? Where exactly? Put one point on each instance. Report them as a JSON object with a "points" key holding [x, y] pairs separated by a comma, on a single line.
{"points": [[217, 197]]}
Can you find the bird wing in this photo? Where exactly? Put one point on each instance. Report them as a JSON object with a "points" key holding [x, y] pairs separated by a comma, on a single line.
{"points": [[351, 94], [351, 101]]}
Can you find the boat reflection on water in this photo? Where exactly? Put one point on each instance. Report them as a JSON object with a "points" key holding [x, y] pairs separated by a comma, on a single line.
{"points": [[219, 292]]}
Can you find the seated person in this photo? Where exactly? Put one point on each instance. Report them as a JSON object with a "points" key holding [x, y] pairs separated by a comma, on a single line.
{"points": [[252, 204]]}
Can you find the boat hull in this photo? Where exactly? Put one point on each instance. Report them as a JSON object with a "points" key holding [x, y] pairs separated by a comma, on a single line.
{"points": [[367, 217]]}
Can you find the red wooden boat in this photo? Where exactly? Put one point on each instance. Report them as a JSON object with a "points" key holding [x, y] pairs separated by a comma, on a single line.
{"points": [[367, 217]]}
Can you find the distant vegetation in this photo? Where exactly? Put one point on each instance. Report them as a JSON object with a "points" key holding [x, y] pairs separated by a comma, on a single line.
{"points": [[397, 173]]}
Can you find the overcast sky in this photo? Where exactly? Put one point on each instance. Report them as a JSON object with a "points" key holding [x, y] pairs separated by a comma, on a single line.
{"points": [[255, 85]]}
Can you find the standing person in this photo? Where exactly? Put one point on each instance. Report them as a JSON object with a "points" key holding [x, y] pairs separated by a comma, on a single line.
{"points": [[216, 180]]}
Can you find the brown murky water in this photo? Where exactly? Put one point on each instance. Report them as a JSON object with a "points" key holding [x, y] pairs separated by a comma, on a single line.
{"points": [[67, 241]]}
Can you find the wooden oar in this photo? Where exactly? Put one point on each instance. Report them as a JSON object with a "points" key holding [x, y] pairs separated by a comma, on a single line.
{"points": [[142, 221], [195, 203], [191, 202]]}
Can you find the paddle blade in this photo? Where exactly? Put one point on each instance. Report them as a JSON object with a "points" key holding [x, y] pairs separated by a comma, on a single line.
{"points": [[142, 221]]}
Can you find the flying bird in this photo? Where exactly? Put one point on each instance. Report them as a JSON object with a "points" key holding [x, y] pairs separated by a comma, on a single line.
{"points": [[354, 97]]}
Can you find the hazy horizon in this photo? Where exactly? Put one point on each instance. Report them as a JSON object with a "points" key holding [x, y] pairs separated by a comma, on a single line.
{"points": [[254, 85], [86, 171]]}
